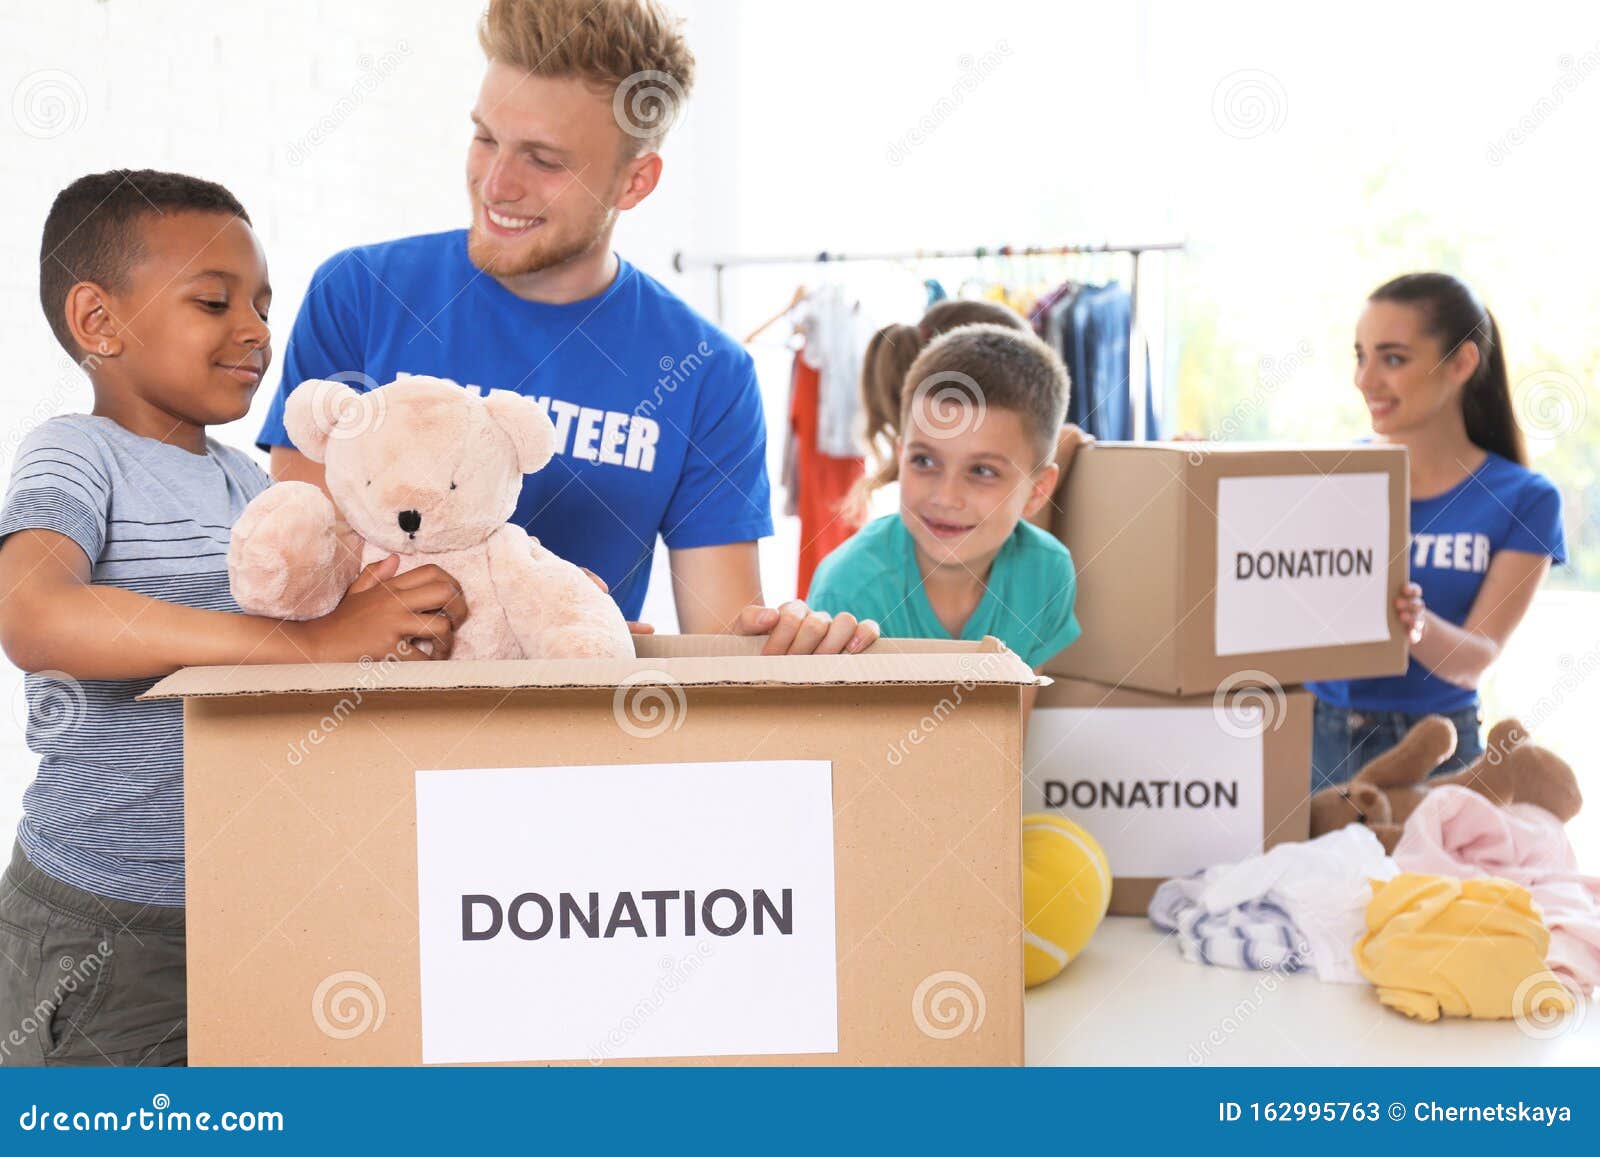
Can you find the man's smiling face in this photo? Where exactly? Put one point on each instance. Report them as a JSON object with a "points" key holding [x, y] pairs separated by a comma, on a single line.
{"points": [[545, 171]]}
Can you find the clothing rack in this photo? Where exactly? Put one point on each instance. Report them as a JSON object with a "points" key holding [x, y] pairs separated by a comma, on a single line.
{"points": [[719, 265]]}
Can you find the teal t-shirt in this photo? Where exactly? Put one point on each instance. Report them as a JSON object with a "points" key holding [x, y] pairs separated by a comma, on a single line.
{"points": [[1028, 604]]}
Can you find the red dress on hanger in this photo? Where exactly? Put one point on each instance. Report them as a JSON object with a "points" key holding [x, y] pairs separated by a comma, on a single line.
{"points": [[824, 482]]}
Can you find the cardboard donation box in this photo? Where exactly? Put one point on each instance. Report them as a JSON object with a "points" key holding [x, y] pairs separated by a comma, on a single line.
{"points": [[700, 855], [1207, 566], [1169, 786]]}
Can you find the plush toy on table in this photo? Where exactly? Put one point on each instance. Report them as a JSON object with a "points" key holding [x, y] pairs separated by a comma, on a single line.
{"points": [[1386, 791], [426, 470]]}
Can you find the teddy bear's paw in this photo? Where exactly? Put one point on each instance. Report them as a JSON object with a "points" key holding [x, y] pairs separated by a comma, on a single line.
{"points": [[285, 554], [581, 642]]}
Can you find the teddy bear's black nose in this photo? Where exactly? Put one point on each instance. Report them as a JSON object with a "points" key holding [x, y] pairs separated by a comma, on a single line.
{"points": [[410, 521]]}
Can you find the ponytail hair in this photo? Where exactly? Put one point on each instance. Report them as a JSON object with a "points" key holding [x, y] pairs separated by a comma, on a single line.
{"points": [[883, 371], [1452, 313]]}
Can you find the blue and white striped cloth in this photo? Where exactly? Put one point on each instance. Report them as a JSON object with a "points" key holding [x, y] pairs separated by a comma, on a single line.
{"points": [[1257, 935], [105, 811], [1300, 905]]}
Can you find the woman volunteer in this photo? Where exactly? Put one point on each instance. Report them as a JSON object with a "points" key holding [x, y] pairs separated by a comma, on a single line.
{"points": [[1484, 528]]}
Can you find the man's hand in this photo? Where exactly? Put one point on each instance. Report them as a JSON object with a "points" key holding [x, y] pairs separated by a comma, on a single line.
{"points": [[383, 614], [1068, 442], [795, 629]]}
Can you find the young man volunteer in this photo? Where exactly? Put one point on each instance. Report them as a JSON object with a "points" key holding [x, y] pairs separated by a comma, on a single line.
{"points": [[657, 413]]}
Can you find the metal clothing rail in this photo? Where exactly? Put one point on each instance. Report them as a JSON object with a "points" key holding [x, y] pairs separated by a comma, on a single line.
{"points": [[720, 264]]}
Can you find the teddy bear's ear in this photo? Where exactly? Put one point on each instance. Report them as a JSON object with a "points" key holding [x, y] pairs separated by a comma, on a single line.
{"points": [[315, 409], [527, 425]]}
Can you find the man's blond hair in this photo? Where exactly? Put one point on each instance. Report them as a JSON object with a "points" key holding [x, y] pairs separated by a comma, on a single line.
{"points": [[632, 50]]}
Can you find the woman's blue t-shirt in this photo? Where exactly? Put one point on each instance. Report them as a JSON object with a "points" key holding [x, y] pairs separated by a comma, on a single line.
{"points": [[1454, 537]]}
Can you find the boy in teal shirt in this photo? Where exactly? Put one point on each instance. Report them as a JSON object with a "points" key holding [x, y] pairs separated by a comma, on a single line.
{"points": [[981, 412]]}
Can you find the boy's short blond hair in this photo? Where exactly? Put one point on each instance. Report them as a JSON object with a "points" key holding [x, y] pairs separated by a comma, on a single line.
{"points": [[633, 50]]}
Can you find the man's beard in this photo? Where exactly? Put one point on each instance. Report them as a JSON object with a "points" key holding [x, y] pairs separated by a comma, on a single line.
{"points": [[496, 258]]}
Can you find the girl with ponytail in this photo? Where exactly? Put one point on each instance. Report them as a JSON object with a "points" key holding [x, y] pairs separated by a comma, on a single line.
{"points": [[883, 374], [1485, 529]]}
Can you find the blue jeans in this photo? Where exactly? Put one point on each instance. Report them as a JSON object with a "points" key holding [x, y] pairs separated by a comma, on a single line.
{"points": [[1344, 741]]}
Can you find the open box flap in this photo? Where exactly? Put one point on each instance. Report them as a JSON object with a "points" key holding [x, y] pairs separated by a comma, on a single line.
{"points": [[687, 660]]}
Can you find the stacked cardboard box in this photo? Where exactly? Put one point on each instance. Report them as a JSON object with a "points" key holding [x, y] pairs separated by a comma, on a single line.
{"points": [[1212, 581]]}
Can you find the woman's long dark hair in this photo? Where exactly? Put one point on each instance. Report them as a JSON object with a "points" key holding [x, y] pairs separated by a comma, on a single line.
{"points": [[1453, 313]]}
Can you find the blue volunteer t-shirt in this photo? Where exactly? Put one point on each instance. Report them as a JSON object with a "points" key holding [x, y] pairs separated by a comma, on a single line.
{"points": [[1454, 537], [659, 426]]}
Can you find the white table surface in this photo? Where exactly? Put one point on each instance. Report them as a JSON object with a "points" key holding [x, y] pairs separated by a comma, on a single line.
{"points": [[1131, 999]]}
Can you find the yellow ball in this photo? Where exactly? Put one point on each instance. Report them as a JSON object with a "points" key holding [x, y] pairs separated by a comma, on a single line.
{"points": [[1066, 888]]}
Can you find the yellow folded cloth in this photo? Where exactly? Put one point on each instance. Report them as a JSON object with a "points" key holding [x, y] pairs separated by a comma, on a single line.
{"points": [[1461, 947]]}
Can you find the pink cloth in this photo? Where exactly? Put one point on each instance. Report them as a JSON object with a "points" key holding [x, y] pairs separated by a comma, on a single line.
{"points": [[1457, 832]]}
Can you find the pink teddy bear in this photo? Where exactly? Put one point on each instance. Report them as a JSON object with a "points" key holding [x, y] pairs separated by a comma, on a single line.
{"points": [[429, 471]]}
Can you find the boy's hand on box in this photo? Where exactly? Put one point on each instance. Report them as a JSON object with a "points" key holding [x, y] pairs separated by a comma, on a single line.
{"points": [[796, 629], [386, 614]]}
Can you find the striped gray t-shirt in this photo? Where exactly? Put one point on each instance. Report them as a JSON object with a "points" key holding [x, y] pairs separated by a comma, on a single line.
{"points": [[105, 811]]}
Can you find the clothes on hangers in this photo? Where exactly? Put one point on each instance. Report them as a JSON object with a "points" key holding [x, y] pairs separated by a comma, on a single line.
{"points": [[1458, 832], [1044, 317], [1018, 300], [817, 485], [1091, 327], [836, 335]]}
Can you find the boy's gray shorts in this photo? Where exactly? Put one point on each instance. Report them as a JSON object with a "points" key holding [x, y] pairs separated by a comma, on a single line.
{"points": [[85, 980]]}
